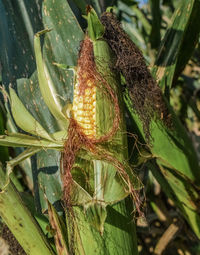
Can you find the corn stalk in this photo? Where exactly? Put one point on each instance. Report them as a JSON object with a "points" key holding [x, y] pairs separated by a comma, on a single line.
{"points": [[19, 219]]}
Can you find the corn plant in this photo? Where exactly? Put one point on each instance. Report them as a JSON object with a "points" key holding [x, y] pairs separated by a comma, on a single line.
{"points": [[81, 130], [73, 115]]}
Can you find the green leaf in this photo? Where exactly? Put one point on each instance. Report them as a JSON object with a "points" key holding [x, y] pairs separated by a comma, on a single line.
{"points": [[47, 177], [20, 20], [181, 192], [81, 4], [134, 10], [156, 23], [41, 219], [178, 164], [173, 145], [29, 89], [24, 155], [22, 140], [178, 44], [24, 119]]}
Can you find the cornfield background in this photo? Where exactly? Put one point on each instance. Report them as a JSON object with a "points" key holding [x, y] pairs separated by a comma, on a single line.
{"points": [[33, 218]]}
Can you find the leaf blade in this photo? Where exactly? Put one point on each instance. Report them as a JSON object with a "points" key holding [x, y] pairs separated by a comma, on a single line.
{"points": [[24, 119], [178, 44]]}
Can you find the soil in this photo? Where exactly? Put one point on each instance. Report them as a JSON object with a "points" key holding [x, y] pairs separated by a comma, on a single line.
{"points": [[14, 247]]}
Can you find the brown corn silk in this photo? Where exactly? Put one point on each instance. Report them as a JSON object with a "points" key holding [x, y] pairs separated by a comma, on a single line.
{"points": [[145, 93], [82, 131]]}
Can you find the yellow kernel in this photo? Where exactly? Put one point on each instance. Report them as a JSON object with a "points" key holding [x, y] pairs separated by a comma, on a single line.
{"points": [[89, 133], [88, 107], [79, 119], [80, 112], [87, 92], [88, 100], [84, 108], [80, 105], [87, 121], [87, 126]]}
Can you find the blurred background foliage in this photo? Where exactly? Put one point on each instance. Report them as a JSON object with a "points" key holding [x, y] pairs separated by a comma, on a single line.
{"points": [[148, 24]]}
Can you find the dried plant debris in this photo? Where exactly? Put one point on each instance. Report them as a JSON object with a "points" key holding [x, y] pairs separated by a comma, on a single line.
{"points": [[145, 93]]}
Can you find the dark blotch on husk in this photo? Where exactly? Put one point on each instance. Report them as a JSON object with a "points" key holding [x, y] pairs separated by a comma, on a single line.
{"points": [[145, 93]]}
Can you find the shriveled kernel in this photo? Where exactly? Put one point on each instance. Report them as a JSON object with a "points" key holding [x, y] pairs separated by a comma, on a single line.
{"points": [[89, 84], [75, 108]]}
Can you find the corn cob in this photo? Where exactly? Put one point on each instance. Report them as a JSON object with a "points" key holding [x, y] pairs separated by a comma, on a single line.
{"points": [[84, 109], [84, 101]]}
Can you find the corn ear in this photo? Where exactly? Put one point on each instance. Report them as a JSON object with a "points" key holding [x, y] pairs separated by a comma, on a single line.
{"points": [[108, 187]]}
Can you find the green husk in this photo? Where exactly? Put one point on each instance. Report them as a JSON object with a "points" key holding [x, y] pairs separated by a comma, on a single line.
{"points": [[47, 86]]}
